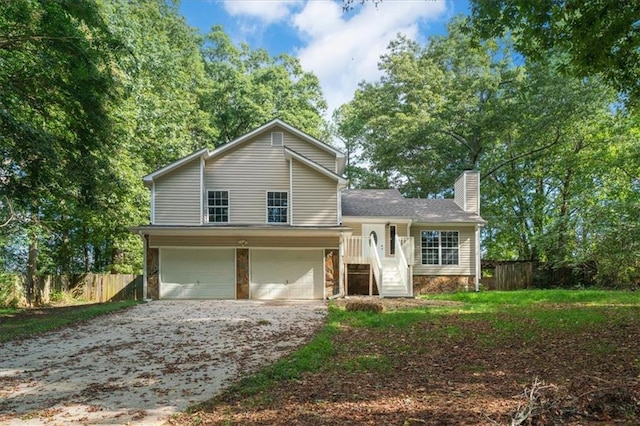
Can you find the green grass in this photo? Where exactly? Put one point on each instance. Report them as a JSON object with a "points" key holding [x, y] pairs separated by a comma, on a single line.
{"points": [[527, 314], [22, 323], [8, 311], [530, 298]]}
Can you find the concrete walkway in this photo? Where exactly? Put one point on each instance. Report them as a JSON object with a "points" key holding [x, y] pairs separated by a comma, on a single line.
{"points": [[141, 365]]}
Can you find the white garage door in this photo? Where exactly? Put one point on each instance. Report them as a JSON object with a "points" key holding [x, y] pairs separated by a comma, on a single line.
{"points": [[287, 274], [197, 273]]}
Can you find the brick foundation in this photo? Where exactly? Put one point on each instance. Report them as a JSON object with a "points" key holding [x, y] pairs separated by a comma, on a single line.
{"points": [[242, 273], [423, 284], [331, 272]]}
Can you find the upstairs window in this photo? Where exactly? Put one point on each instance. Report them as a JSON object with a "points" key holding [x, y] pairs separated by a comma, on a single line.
{"points": [[440, 248], [277, 207], [277, 138], [218, 205]]}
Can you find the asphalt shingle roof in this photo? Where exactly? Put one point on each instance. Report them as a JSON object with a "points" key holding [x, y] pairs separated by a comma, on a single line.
{"points": [[390, 203]]}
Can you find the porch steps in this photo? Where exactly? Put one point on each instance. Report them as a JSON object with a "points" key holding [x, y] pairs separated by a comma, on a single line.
{"points": [[392, 285]]}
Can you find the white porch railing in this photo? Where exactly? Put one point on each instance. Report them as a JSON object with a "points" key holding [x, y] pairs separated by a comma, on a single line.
{"points": [[354, 250], [406, 247], [376, 263], [403, 266], [362, 250]]}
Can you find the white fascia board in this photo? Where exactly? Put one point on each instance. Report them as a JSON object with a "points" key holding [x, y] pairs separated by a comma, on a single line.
{"points": [[148, 179], [273, 123], [449, 224], [267, 231], [288, 154], [307, 137], [375, 219]]}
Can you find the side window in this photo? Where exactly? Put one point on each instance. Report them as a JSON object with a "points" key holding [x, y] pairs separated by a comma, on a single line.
{"points": [[277, 207], [218, 206], [440, 247]]}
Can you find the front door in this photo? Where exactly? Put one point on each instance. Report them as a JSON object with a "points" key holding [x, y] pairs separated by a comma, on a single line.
{"points": [[378, 232]]}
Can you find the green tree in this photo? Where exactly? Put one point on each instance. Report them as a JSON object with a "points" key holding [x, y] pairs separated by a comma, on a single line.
{"points": [[158, 119], [559, 162], [432, 114], [246, 88], [600, 37], [55, 83]]}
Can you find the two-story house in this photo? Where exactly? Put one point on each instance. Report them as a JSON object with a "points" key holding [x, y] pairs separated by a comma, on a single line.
{"points": [[267, 216]]}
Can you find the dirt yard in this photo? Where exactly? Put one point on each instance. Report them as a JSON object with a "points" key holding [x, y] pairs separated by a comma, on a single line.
{"points": [[457, 370], [142, 364]]}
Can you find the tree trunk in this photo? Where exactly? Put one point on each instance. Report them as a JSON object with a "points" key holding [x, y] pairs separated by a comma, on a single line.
{"points": [[31, 281]]}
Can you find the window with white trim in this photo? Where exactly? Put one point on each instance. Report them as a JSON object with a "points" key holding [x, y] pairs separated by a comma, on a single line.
{"points": [[218, 206], [277, 207], [440, 247], [277, 138]]}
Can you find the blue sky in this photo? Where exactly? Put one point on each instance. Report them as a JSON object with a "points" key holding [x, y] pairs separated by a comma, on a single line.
{"points": [[341, 49]]}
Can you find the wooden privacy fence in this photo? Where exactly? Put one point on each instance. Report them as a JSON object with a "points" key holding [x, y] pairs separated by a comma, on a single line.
{"points": [[514, 275], [110, 287], [87, 287]]}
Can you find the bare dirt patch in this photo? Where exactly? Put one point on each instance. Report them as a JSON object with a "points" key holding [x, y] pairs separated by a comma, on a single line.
{"points": [[140, 365], [458, 369]]}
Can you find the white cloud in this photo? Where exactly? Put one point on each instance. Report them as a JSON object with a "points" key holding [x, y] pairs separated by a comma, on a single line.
{"points": [[343, 50], [266, 11]]}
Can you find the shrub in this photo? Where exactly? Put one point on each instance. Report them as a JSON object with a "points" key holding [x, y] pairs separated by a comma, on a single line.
{"points": [[10, 291]]}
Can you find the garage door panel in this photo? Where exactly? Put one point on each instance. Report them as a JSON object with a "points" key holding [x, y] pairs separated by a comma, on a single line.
{"points": [[197, 273], [287, 274]]}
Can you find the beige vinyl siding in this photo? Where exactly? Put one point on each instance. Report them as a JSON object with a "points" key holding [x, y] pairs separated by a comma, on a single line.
{"points": [[401, 228], [248, 172], [472, 193], [356, 226], [314, 199], [177, 196], [311, 151], [401, 231], [251, 242], [458, 190], [466, 254], [467, 191]]}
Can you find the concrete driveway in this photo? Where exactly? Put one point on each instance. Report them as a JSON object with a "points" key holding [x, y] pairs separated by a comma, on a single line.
{"points": [[141, 365]]}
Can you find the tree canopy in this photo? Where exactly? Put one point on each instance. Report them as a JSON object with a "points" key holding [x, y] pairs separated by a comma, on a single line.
{"points": [[600, 38], [558, 164], [95, 94]]}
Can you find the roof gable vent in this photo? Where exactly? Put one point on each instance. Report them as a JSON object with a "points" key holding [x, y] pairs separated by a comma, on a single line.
{"points": [[276, 138]]}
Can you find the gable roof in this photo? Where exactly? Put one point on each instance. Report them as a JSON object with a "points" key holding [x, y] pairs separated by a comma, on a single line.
{"points": [[206, 154], [148, 179], [390, 203], [279, 123], [289, 153]]}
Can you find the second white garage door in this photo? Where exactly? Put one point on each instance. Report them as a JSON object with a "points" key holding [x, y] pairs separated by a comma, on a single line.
{"points": [[287, 274], [187, 273]]}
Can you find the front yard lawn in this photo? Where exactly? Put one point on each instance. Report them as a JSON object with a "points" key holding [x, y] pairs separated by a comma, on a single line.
{"points": [[533, 357]]}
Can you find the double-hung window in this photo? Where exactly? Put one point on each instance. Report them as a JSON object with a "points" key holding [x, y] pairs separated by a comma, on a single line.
{"points": [[218, 206], [440, 247], [277, 207]]}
